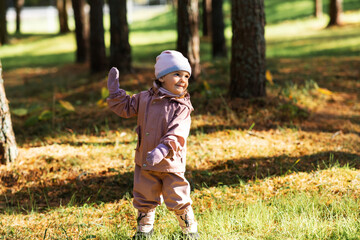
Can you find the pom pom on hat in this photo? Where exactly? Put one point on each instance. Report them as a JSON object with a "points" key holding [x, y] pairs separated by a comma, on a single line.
{"points": [[169, 61]]}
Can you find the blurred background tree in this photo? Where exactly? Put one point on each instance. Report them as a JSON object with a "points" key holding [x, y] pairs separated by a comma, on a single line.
{"points": [[3, 23], [188, 42], [335, 12], [62, 6], [98, 61], [120, 51], [206, 17], [81, 30], [247, 78], [318, 9], [8, 147], [218, 28], [18, 4]]}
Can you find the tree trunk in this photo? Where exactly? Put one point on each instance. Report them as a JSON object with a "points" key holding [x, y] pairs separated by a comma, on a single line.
{"points": [[18, 6], [98, 60], [120, 51], [335, 12], [81, 31], [3, 24], [318, 8], [248, 49], [8, 148], [206, 17], [188, 42], [63, 16], [218, 28]]}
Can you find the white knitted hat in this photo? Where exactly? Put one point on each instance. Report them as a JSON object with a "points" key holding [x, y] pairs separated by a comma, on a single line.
{"points": [[169, 61]]}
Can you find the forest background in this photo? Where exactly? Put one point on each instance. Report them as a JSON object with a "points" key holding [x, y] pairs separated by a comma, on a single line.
{"points": [[284, 166]]}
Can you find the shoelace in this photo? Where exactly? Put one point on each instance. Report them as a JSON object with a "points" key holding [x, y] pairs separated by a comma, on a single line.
{"points": [[140, 217], [185, 220]]}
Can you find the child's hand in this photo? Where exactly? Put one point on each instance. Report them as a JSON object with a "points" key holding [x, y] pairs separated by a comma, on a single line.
{"points": [[113, 80], [157, 154]]}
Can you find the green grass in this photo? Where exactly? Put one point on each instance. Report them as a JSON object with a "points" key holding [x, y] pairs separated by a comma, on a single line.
{"points": [[292, 213]]}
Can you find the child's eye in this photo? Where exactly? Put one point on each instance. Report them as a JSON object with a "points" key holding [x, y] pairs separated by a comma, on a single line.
{"points": [[177, 74]]}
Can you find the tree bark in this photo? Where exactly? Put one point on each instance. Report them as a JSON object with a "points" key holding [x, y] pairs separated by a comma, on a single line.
{"points": [[318, 11], [81, 30], [8, 148], [206, 17], [63, 16], [335, 12], [98, 60], [218, 28], [188, 42], [248, 49], [120, 51], [18, 7], [3, 23]]}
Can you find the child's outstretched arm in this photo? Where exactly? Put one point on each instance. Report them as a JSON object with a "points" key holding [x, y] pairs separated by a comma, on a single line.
{"points": [[118, 101], [113, 82]]}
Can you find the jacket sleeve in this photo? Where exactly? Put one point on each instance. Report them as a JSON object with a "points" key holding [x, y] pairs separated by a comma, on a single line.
{"points": [[178, 131], [124, 105]]}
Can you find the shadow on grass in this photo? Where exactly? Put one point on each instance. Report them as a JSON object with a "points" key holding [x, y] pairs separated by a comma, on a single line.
{"points": [[279, 10], [307, 47], [234, 171], [317, 123], [112, 185]]}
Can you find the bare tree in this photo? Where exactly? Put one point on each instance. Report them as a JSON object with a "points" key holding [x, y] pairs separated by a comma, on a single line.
{"points": [[206, 17], [98, 60], [335, 12], [218, 28], [8, 148], [81, 30], [18, 7], [318, 9], [188, 42], [248, 49], [120, 51], [3, 24], [63, 16]]}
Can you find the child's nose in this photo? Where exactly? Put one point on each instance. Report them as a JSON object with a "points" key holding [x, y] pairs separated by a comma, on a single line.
{"points": [[183, 78]]}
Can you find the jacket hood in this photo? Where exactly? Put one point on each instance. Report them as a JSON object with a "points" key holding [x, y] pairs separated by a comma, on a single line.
{"points": [[184, 99]]}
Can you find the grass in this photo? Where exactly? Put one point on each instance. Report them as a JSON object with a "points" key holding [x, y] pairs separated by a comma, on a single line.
{"points": [[281, 167]]}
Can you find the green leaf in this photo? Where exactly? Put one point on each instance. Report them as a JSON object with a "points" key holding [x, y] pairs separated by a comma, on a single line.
{"points": [[67, 105], [20, 112], [45, 115]]}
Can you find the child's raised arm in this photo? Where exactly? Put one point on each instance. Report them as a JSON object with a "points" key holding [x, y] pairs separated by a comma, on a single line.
{"points": [[113, 82], [118, 101]]}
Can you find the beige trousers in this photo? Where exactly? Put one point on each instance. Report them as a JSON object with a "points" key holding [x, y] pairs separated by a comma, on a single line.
{"points": [[150, 187]]}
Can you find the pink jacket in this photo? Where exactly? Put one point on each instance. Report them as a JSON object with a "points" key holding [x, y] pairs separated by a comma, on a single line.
{"points": [[160, 119]]}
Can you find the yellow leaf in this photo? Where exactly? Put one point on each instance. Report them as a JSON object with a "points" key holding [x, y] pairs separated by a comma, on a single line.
{"points": [[325, 91], [269, 77], [104, 92], [101, 103], [206, 85], [67, 105]]}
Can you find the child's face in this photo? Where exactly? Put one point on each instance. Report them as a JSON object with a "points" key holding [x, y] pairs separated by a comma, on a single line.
{"points": [[175, 82]]}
